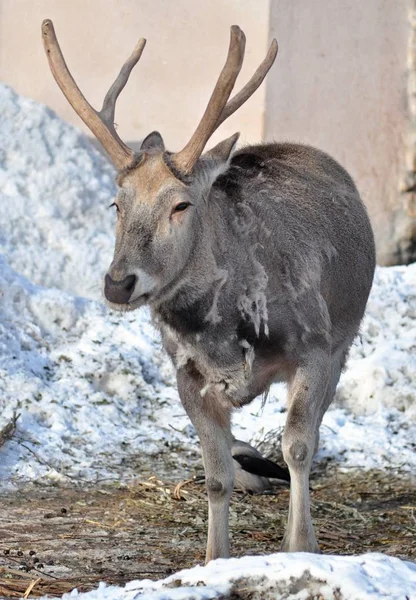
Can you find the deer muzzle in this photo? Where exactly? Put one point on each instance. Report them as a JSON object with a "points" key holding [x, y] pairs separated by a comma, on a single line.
{"points": [[119, 292]]}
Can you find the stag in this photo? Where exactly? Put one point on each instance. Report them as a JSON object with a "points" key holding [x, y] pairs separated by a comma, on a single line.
{"points": [[256, 264]]}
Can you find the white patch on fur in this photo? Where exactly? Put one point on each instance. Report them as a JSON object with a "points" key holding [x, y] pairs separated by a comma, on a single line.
{"points": [[213, 315], [183, 351], [253, 302], [249, 356], [231, 383], [145, 284], [205, 389]]}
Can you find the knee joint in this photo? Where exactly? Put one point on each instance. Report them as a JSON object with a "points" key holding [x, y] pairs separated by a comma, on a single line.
{"points": [[296, 453], [217, 489]]}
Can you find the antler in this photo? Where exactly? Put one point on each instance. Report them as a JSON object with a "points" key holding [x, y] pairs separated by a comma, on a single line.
{"points": [[218, 108], [251, 86], [100, 123]]}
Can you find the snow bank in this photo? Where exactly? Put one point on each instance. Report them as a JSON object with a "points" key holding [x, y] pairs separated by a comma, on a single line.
{"points": [[55, 191], [86, 383], [94, 389], [290, 576]]}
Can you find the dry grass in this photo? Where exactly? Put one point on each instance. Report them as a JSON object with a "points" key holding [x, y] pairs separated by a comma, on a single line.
{"points": [[6, 433], [152, 528], [19, 585]]}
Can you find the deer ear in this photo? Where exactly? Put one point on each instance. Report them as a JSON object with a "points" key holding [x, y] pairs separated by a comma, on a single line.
{"points": [[153, 141], [222, 152], [215, 162]]}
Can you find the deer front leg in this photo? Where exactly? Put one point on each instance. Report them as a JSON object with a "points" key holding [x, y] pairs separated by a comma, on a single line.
{"points": [[307, 394], [211, 419]]}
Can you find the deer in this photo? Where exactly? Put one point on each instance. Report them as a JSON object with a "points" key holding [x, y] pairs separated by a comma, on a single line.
{"points": [[256, 264]]}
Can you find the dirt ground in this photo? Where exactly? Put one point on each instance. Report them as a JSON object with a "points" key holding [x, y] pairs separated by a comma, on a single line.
{"points": [[55, 539]]}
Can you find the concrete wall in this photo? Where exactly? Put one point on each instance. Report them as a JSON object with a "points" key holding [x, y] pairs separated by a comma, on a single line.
{"points": [[341, 84], [187, 43]]}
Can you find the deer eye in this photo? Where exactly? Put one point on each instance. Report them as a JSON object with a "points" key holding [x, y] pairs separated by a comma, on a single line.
{"points": [[181, 206]]}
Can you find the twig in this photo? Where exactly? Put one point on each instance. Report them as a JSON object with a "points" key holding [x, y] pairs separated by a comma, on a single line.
{"points": [[8, 430], [177, 492], [30, 587], [45, 463]]}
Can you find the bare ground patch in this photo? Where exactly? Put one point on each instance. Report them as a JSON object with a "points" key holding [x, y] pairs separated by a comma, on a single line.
{"points": [[61, 538]]}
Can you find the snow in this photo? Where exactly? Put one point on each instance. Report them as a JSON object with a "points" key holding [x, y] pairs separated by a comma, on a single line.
{"points": [[95, 392], [290, 576], [55, 223]]}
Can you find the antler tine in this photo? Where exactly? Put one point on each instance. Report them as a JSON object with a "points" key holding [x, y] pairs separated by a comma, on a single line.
{"points": [[109, 104], [187, 157], [100, 123], [251, 86]]}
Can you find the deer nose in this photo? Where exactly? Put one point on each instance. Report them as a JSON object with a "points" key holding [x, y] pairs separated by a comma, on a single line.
{"points": [[119, 292]]}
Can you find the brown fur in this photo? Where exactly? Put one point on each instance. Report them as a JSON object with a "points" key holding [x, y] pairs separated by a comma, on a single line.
{"points": [[150, 178]]}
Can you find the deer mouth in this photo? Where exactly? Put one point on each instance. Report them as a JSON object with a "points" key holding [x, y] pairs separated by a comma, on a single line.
{"points": [[138, 302], [133, 304]]}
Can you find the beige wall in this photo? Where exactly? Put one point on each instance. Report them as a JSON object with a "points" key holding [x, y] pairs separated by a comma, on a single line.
{"points": [[187, 42], [341, 85]]}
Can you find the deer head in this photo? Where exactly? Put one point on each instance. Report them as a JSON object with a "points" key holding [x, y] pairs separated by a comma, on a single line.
{"points": [[162, 201]]}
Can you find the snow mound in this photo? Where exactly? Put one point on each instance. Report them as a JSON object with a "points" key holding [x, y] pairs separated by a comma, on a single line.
{"points": [[86, 383], [94, 389], [55, 189], [288, 576]]}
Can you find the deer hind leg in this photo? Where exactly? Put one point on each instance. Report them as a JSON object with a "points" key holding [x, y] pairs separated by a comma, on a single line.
{"points": [[211, 420], [307, 396], [338, 363]]}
